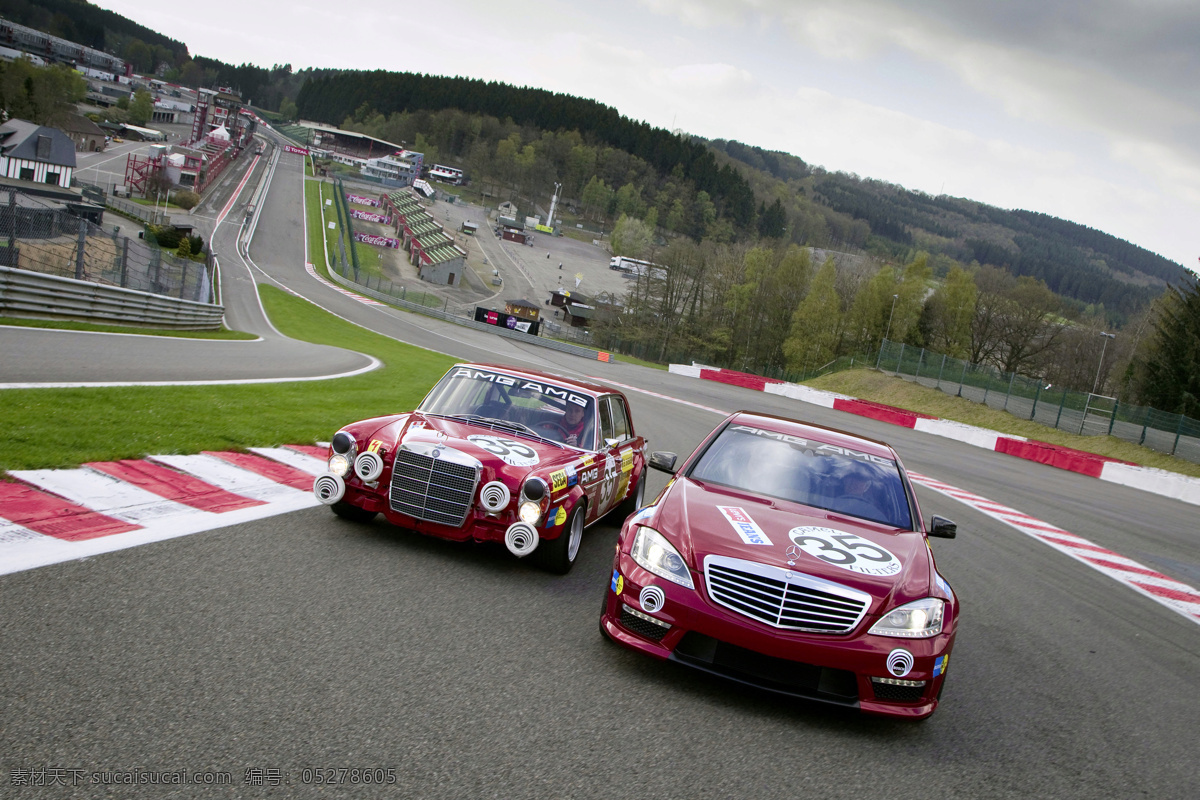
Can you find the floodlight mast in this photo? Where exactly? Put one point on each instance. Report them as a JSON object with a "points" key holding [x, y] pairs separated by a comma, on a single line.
{"points": [[553, 205]]}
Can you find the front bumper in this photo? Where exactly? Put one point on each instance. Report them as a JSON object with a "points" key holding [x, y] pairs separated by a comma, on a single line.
{"points": [[849, 671]]}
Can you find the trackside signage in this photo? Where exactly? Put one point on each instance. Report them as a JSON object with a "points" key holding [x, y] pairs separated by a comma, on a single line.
{"points": [[378, 241], [369, 217], [291, 148]]}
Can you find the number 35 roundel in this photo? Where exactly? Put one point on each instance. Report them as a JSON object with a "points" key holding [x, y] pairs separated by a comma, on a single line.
{"points": [[845, 550]]}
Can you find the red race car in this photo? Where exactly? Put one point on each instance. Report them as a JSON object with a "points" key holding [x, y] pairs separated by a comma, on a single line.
{"points": [[494, 454], [792, 558]]}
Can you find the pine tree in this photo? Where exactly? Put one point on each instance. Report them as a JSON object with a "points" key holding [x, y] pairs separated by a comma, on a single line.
{"points": [[1173, 367]]}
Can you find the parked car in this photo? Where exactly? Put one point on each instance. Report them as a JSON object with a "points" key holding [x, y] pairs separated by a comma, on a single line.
{"points": [[494, 454], [792, 558]]}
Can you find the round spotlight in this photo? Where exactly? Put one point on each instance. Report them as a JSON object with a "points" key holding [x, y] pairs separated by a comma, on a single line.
{"points": [[368, 466], [520, 539], [494, 496], [329, 488], [651, 599]]}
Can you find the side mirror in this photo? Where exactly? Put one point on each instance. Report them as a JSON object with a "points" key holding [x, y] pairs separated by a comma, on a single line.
{"points": [[664, 462], [942, 528]]}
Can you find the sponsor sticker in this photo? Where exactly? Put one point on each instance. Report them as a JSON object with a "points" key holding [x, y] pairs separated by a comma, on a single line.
{"points": [[746, 527], [561, 516], [945, 587], [626, 460], [375, 446], [939, 665], [899, 662], [558, 480], [640, 516], [845, 550], [618, 582]]}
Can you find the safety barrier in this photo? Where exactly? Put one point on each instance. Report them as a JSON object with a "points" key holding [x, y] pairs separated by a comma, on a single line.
{"points": [[32, 294], [1029, 398]]}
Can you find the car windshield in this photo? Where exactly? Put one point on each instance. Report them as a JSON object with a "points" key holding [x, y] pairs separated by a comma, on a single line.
{"points": [[813, 473], [534, 407]]}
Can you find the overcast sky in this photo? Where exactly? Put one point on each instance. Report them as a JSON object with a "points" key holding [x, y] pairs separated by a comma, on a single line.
{"points": [[1087, 111]]}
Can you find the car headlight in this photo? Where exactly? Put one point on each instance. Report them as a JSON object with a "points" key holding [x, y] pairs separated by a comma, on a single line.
{"points": [[529, 512], [535, 498], [919, 619], [339, 464], [654, 553]]}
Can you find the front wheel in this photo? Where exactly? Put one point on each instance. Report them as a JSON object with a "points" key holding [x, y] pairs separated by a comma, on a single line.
{"points": [[352, 513], [558, 555]]}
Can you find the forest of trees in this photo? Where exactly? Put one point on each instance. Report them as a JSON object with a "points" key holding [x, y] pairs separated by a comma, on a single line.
{"points": [[43, 95], [768, 308], [333, 98]]}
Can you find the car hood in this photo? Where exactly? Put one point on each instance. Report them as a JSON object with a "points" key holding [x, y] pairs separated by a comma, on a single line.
{"points": [[703, 519], [500, 451]]}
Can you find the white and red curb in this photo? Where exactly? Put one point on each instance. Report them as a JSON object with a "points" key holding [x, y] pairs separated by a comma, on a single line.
{"points": [[52, 515], [1155, 481], [1179, 597]]}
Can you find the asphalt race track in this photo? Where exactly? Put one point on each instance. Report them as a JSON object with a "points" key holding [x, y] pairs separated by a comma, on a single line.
{"points": [[300, 642]]}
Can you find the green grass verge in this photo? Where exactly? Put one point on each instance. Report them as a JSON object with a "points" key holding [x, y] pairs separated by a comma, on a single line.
{"points": [[142, 201], [44, 428], [318, 224], [88, 326], [867, 384], [315, 224]]}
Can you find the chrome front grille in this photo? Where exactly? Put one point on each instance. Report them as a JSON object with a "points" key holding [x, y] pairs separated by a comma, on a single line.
{"points": [[783, 598], [432, 489]]}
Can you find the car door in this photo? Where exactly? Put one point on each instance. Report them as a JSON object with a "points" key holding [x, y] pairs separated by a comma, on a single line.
{"points": [[617, 448]]}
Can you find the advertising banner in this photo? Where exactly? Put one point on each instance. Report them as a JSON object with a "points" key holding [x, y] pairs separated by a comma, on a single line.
{"points": [[502, 320], [378, 241], [370, 217], [291, 148], [362, 201]]}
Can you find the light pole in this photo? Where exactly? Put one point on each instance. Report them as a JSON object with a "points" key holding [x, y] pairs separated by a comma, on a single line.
{"points": [[1106, 336], [890, 313]]}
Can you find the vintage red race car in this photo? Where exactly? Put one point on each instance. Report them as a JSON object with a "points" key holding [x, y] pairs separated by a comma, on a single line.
{"points": [[792, 558], [494, 454]]}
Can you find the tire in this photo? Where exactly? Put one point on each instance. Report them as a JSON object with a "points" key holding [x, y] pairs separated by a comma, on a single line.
{"points": [[633, 502], [352, 513], [558, 555]]}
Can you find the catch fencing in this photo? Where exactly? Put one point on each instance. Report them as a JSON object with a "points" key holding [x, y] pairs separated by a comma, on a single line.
{"points": [[38, 237], [1033, 399]]}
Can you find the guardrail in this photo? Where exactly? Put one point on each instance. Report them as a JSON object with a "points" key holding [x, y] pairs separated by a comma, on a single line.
{"points": [[35, 295]]}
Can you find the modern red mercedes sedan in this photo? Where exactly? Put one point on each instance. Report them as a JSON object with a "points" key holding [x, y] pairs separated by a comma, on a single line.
{"points": [[793, 558]]}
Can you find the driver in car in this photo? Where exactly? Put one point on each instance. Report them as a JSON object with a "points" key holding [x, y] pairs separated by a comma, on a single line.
{"points": [[573, 423]]}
